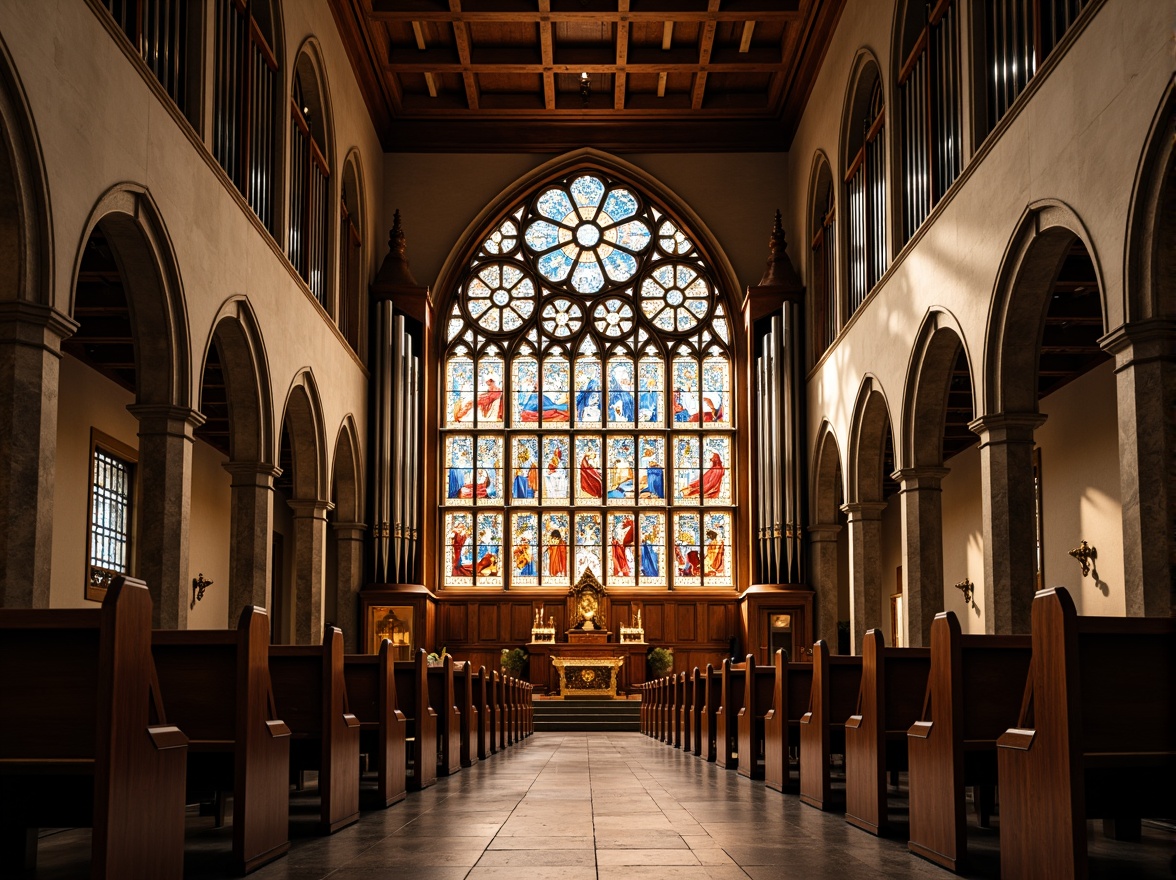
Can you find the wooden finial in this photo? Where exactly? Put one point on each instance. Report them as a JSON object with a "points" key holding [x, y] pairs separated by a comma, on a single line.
{"points": [[778, 272], [395, 269]]}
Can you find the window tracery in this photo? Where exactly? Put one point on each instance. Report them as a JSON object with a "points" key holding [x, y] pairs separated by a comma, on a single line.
{"points": [[587, 417]]}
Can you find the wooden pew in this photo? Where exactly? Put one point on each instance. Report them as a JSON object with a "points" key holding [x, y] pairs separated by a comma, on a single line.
{"points": [[1095, 738], [654, 707], [383, 729], [84, 740], [494, 697], [697, 712], [894, 682], [832, 699], [529, 706], [485, 719], [666, 713], [219, 692], [791, 693], [311, 697], [443, 699], [712, 682], [968, 705], [687, 712], [759, 683], [679, 685], [643, 723], [412, 691], [511, 703], [471, 719], [731, 691]]}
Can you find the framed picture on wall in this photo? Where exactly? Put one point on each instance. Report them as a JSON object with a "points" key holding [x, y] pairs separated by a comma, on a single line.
{"points": [[392, 622]]}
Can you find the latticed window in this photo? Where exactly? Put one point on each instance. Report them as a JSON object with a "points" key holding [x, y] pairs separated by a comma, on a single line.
{"points": [[108, 552], [865, 185], [588, 423]]}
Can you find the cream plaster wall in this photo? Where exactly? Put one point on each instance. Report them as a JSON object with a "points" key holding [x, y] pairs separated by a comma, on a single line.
{"points": [[100, 125], [1077, 138], [736, 195], [208, 547], [963, 536], [87, 400], [1080, 490], [90, 400]]}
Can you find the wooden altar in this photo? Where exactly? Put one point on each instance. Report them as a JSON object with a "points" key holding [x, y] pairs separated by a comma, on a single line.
{"points": [[588, 676], [545, 674]]}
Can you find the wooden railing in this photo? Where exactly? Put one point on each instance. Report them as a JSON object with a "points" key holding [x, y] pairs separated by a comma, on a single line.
{"points": [[158, 29], [245, 89], [929, 104], [309, 173]]}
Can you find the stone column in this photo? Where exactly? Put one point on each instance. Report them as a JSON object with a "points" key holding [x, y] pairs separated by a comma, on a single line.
{"points": [[251, 531], [349, 580], [165, 499], [922, 550], [310, 563], [865, 568], [1145, 376], [30, 359], [1009, 511], [823, 547]]}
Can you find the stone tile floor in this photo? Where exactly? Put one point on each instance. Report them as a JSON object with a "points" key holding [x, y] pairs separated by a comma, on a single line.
{"points": [[595, 806]]}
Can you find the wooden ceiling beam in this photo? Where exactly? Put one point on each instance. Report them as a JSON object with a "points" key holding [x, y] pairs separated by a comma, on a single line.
{"points": [[528, 67], [636, 15], [546, 52], [619, 80], [461, 39], [706, 45]]}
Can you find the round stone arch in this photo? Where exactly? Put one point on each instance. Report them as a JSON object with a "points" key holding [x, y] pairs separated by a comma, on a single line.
{"points": [[827, 533], [302, 419], [31, 331], [920, 471], [345, 544], [1020, 301], [245, 367]]}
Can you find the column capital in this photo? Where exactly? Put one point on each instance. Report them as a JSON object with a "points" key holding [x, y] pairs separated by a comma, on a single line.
{"points": [[914, 478], [824, 532], [252, 473], [35, 324], [1141, 341], [861, 511], [1007, 427], [349, 531], [310, 508], [166, 418]]}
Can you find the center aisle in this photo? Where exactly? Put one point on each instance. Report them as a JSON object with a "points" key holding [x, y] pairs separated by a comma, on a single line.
{"points": [[597, 806]]}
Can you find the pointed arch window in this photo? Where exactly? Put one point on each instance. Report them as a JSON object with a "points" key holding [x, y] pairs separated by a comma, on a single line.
{"points": [[865, 185], [587, 417], [824, 244], [309, 176]]}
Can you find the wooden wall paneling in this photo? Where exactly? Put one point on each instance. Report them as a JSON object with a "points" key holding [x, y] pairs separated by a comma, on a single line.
{"points": [[654, 620], [487, 622], [521, 618], [453, 624], [687, 622], [619, 615], [719, 627]]}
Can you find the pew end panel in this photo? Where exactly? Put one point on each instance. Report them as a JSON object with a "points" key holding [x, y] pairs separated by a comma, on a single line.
{"points": [[371, 695], [836, 680], [85, 740], [791, 694]]}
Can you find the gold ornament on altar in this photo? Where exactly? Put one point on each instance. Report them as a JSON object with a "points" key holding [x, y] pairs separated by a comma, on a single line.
{"points": [[587, 603]]}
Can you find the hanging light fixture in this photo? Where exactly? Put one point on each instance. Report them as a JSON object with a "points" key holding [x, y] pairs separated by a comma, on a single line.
{"points": [[585, 88]]}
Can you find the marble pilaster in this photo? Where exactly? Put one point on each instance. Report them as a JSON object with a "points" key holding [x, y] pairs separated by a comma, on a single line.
{"points": [[823, 550], [921, 498], [1009, 513], [310, 565], [165, 501], [864, 521], [30, 357], [349, 580], [251, 527]]}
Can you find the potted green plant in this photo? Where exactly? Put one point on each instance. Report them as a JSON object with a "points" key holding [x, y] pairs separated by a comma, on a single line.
{"points": [[435, 659], [661, 661], [514, 661]]}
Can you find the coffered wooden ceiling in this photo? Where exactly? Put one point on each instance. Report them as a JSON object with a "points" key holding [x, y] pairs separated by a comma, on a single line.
{"points": [[551, 75]]}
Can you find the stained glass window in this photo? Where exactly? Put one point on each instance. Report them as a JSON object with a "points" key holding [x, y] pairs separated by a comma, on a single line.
{"points": [[588, 419]]}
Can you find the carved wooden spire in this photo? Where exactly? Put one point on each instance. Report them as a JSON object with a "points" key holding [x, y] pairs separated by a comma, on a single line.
{"points": [[779, 272], [395, 270]]}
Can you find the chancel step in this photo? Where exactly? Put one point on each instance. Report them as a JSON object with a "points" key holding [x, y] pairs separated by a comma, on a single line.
{"points": [[587, 714]]}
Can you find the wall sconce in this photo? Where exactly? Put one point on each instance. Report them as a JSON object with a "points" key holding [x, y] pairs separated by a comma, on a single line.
{"points": [[199, 585], [1086, 556], [967, 588], [585, 88]]}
